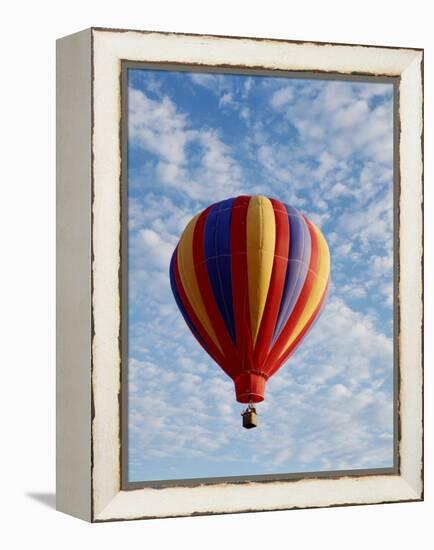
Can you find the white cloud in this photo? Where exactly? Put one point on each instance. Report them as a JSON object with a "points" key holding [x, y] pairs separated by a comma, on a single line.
{"points": [[228, 94], [226, 99], [340, 120], [248, 84], [213, 82], [372, 224], [383, 264], [208, 173], [158, 126], [282, 97], [159, 250], [354, 290], [245, 113]]}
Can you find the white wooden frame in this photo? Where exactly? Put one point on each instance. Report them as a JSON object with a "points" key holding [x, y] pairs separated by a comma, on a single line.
{"points": [[88, 267]]}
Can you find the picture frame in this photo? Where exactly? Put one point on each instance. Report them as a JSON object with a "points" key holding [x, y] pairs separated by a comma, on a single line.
{"points": [[90, 277]]}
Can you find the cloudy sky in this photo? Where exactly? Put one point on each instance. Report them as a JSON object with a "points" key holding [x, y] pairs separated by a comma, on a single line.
{"points": [[324, 147]]}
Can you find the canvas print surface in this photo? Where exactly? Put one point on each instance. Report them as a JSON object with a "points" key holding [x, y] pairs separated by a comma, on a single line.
{"points": [[260, 275]]}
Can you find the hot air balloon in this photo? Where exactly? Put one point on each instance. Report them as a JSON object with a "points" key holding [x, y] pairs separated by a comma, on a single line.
{"points": [[250, 276]]}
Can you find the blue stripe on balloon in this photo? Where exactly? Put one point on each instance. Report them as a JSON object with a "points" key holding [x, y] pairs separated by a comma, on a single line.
{"points": [[180, 304], [298, 265], [217, 247]]}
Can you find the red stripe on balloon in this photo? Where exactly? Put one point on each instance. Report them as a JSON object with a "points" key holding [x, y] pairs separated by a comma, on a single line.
{"points": [[240, 287], [207, 293], [273, 360], [209, 346], [277, 283]]}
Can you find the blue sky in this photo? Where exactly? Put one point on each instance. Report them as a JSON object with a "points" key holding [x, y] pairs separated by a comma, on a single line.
{"points": [[324, 147]]}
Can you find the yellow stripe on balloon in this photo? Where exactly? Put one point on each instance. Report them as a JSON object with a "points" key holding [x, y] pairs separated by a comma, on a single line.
{"points": [[318, 289], [261, 239], [189, 279]]}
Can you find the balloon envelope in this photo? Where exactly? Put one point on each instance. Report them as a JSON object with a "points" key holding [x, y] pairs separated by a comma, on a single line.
{"points": [[250, 276]]}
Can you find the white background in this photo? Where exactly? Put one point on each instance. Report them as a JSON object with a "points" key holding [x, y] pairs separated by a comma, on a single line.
{"points": [[27, 219]]}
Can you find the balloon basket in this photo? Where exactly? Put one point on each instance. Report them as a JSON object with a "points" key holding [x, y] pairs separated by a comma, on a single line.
{"points": [[250, 419]]}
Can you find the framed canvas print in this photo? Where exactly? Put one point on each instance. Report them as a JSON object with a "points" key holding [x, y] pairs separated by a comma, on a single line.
{"points": [[239, 260]]}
